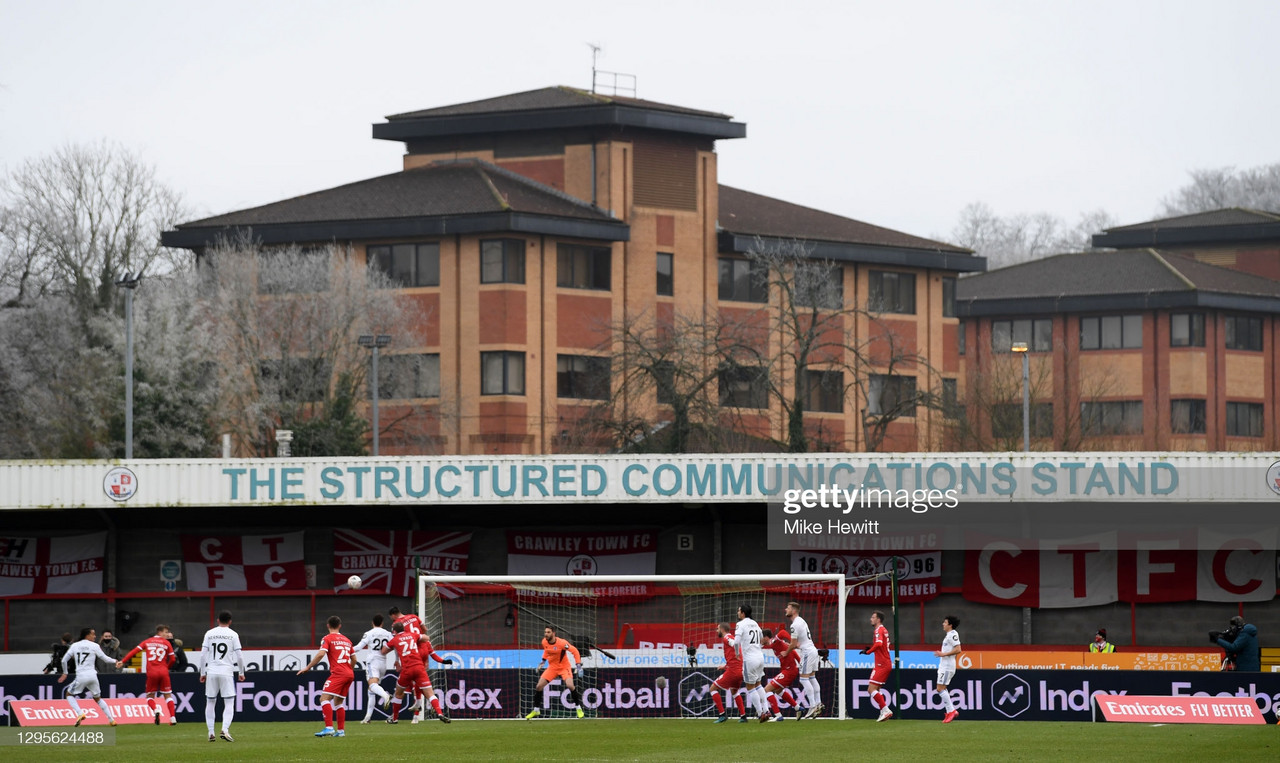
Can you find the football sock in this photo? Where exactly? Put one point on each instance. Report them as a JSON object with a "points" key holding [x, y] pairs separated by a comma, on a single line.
{"points": [[173, 707], [716, 698], [435, 704], [326, 708], [946, 699], [813, 689], [395, 707], [75, 706], [340, 717], [378, 690], [106, 710], [228, 712], [762, 704], [773, 703], [741, 703], [877, 699], [577, 696], [151, 703], [210, 712]]}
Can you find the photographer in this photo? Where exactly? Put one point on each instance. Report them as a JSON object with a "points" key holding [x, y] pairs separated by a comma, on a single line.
{"points": [[1241, 642], [59, 650]]}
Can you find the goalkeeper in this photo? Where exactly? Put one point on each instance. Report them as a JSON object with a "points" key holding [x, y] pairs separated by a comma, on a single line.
{"points": [[555, 653]]}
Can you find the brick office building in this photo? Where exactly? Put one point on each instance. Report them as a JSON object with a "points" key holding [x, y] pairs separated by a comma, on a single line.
{"points": [[529, 224]]}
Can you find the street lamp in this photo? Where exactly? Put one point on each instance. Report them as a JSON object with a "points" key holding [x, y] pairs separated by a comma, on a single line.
{"points": [[128, 282], [1021, 349], [374, 343]]}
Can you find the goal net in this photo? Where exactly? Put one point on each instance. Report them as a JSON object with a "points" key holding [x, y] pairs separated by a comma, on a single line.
{"points": [[648, 645]]}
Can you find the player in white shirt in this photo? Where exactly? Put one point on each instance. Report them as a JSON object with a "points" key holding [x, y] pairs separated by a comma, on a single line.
{"points": [[802, 642], [221, 653], [84, 655], [748, 640], [947, 663], [375, 662]]}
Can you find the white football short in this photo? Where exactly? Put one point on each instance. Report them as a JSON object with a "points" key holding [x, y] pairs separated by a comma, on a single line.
{"points": [[808, 662], [945, 675], [82, 684], [219, 685], [375, 668], [753, 670]]}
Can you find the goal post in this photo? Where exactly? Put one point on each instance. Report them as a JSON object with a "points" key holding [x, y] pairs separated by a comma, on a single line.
{"points": [[648, 643]]}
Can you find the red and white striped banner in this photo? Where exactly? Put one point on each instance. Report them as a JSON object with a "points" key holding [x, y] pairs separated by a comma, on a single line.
{"points": [[244, 562], [385, 559], [69, 564]]}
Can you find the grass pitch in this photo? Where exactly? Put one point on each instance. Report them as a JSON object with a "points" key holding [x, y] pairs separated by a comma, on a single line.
{"points": [[701, 740]]}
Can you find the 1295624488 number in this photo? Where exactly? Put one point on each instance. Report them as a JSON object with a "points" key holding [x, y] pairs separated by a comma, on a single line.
{"points": [[19, 737]]}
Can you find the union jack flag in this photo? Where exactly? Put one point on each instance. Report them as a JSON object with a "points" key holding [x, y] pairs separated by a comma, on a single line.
{"points": [[385, 560]]}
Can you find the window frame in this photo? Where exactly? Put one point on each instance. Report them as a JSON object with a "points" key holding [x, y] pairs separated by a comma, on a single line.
{"points": [[1128, 411], [1192, 335], [1006, 421], [1231, 333], [904, 291], [1032, 327], [583, 377], [948, 297], [1256, 412], [829, 385], [597, 261], [511, 258], [1190, 415], [373, 254], [756, 388], [424, 363], [668, 278], [1102, 324], [507, 356], [895, 382], [757, 290]]}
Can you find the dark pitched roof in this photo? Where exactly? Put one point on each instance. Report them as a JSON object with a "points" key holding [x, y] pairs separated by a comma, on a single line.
{"points": [[560, 97], [555, 108], [1131, 279], [1218, 226], [438, 198], [745, 215], [1214, 217]]}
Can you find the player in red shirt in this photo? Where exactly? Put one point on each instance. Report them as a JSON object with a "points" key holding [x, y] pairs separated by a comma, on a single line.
{"points": [[159, 655], [884, 665], [413, 673], [789, 671], [333, 694], [730, 679]]}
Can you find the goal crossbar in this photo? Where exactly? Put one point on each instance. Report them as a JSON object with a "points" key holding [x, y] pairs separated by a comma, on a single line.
{"points": [[838, 581]]}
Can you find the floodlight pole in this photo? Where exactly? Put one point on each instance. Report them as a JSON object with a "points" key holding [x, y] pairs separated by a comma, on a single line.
{"points": [[128, 282], [374, 342]]}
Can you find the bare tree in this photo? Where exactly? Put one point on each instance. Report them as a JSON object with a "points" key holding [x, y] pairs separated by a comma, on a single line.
{"points": [[1222, 187], [73, 222], [1009, 240], [285, 324]]}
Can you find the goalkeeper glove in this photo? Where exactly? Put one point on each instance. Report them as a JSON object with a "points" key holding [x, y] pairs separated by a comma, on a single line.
{"points": [[447, 661], [868, 650]]}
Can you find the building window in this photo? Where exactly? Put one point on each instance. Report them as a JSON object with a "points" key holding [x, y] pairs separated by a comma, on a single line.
{"points": [[1006, 420], [1111, 418], [743, 387], [960, 338], [664, 380], [890, 292], [582, 376], [819, 285], [951, 407], [1244, 419], [502, 261], [407, 264], [1244, 333], [743, 281], [584, 267], [1186, 416], [891, 395], [1037, 335], [1186, 330], [297, 379], [948, 297], [404, 377], [502, 373], [823, 391], [1111, 332], [666, 280]]}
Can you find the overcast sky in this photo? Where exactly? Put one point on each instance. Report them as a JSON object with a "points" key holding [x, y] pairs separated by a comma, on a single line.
{"points": [[895, 113]]}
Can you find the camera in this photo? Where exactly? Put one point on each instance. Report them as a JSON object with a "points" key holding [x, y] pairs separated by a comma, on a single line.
{"points": [[1230, 634]]}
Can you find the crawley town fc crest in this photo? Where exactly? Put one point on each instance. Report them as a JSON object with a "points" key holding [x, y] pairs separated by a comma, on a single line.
{"points": [[120, 484], [581, 564], [1273, 478]]}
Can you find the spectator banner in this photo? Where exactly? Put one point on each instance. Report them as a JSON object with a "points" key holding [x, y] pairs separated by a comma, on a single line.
{"points": [[59, 713], [1087, 571], [244, 562], [385, 559], [1148, 709], [616, 552], [919, 574], [1054, 659], [69, 564]]}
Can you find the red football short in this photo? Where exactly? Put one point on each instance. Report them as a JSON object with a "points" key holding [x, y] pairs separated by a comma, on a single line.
{"points": [[159, 682], [786, 677], [730, 679], [338, 683], [414, 677], [881, 675]]}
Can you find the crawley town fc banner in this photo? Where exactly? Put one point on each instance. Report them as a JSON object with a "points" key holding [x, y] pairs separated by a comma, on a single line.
{"points": [[70, 564], [1088, 571], [385, 560], [244, 562], [919, 573], [615, 552]]}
